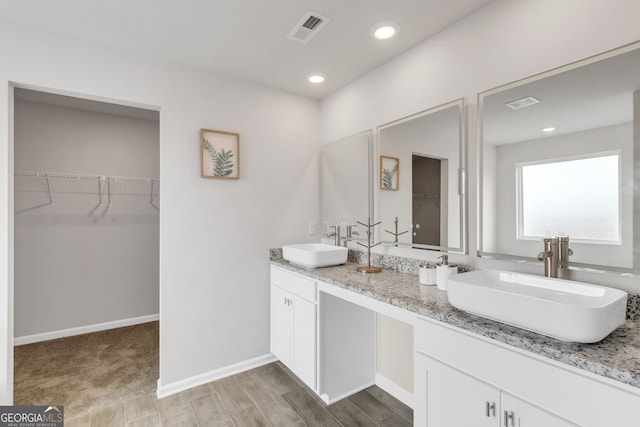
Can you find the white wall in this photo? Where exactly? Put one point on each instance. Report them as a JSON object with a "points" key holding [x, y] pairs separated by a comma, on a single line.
{"points": [[93, 265], [214, 234], [503, 42]]}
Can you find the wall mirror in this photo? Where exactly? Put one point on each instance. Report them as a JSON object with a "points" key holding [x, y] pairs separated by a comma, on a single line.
{"points": [[559, 156], [345, 193], [420, 170]]}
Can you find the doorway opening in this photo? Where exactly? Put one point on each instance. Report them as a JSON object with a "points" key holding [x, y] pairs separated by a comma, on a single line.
{"points": [[86, 250]]}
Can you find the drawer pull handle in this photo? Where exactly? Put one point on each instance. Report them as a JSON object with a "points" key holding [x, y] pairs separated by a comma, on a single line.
{"points": [[508, 416], [491, 409]]}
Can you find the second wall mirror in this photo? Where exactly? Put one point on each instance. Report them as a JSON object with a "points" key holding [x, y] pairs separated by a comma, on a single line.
{"points": [[420, 170], [559, 158]]}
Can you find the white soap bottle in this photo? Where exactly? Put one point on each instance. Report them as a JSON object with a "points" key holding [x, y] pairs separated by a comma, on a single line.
{"points": [[443, 271]]}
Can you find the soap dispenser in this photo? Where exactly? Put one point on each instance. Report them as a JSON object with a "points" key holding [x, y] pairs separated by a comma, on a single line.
{"points": [[443, 271]]}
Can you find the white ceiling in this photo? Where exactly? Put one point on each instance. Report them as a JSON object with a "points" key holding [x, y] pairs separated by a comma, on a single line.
{"points": [[588, 97], [247, 38]]}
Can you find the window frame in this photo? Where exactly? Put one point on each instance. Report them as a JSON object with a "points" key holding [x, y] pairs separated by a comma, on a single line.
{"points": [[520, 196]]}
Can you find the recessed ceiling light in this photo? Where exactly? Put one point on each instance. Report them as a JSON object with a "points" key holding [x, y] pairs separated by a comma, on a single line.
{"points": [[549, 129], [384, 30], [316, 78]]}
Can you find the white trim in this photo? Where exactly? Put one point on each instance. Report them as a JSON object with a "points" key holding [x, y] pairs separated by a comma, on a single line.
{"points": [[395, 390], [216, 374], [46, 336], [331, 400]]}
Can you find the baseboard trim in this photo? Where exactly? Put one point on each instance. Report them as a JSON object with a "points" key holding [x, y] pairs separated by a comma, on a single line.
{"points": [[216, 374], [395, 390], [46, 336]]}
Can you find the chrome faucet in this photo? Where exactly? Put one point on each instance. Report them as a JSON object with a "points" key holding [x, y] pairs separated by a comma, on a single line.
{"points": [[564, 252], [550, 256], [351, 233], [337, 240]]}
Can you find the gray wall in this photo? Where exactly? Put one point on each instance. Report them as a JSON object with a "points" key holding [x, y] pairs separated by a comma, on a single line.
{"points": [[75, 266]]}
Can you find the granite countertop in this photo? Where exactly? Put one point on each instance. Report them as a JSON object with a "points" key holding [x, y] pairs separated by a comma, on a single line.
{"points": [[616, 357]]}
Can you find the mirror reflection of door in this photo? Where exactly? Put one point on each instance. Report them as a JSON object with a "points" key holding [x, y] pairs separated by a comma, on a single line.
{"points": [[427, 187]]}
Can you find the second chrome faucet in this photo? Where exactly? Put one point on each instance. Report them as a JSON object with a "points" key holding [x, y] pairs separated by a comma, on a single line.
{"points": [[556, 255]]}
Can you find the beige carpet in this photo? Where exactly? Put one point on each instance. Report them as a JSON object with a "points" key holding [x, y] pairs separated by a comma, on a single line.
{"points": [[89, 371]]}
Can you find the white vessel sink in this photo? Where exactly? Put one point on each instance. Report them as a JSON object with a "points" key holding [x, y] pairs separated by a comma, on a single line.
{"points": [[314, 255], [563, 309]]}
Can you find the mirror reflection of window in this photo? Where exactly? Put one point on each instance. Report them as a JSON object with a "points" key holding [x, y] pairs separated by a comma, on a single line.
{"points": [[580, 140], [592, 214]]}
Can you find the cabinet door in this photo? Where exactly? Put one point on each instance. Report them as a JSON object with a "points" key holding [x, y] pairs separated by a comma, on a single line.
{"points": [[518, 413], [282, 325], [455, 399], [304, 340]]}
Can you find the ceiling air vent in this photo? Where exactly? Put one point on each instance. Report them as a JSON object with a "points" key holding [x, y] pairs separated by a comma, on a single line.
{"points": [[522, 102], [307, 27]]}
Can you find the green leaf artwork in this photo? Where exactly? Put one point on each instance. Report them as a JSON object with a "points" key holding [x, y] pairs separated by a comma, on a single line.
{"points": [[387, 177], [210, 149], [222, 163]]}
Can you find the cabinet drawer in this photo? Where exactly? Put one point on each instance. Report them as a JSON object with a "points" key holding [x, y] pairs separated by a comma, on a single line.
{"points": [[297, 285]]}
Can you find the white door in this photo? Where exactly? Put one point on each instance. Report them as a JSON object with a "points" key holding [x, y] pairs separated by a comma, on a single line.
{"points": [[304, 340], [282, 325], [455, 399]]}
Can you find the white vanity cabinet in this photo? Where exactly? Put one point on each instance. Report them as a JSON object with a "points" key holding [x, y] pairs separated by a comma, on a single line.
{"points": [[462, 379], [454, 398], [327, 341], [293, 323]]}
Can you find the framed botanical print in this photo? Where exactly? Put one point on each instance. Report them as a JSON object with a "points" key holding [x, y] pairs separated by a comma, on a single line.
{"points": [[220, 156], [389, 173]]}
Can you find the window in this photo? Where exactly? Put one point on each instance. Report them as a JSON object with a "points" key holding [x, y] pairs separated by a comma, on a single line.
{"points": [[574, 196]]}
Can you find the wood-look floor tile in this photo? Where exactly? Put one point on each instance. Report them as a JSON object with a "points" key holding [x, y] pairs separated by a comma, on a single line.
{"points": [[152, 420], [349, 415], [198, 392], [398, 407], [140, 408], [278, 378], [395, 420], [298, 381], [178, 399], [210, 411], [291, 374], [233, 397], [307, 408], [271, 404], [371, 406], [249, 417], [176, 411], [246, 376], [111, 416]]}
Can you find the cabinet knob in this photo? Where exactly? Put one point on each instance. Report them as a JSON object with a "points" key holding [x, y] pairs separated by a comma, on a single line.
{"points": [[491, 409], [509, 419]]}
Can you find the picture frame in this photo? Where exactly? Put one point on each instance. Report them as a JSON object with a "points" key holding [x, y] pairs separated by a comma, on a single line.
{"points": [[389, 173], [220, 154]]}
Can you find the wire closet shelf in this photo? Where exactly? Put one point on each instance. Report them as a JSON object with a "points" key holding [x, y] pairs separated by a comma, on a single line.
{"points": [[104, 187]]}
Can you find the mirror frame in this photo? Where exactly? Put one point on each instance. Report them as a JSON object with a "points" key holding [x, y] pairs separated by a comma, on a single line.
{"points": [[461, 106], [369, 135], [634, 271]]}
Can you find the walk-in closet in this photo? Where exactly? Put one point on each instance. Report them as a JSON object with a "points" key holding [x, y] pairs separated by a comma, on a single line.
{"points": [[86, 213]]}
